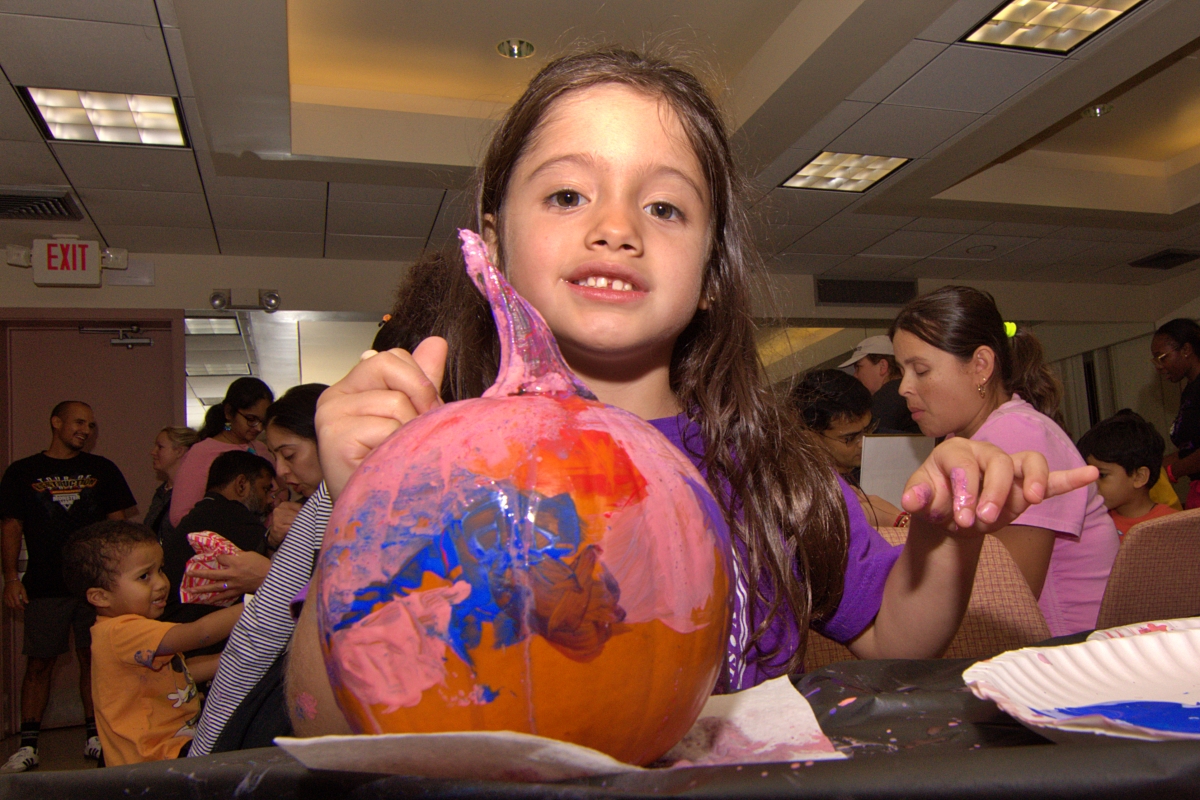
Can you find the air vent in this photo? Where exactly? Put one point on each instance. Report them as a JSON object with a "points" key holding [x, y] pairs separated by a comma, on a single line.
{"points": [[833, 292], [1165, 259], [54, 208]]}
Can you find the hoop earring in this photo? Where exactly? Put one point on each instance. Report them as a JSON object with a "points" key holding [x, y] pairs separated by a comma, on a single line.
{"points": [[980, 388]]}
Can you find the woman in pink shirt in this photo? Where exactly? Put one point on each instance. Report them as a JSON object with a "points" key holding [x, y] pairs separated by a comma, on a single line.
{"points": [[235, 424], [965, 376]]}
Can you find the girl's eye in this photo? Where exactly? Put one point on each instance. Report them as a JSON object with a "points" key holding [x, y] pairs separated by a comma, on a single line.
{"points": [[565, 199], [663, 211]]}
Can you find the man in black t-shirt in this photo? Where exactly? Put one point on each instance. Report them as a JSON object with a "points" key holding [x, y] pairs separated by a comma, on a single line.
{"points": [[44, 498]]}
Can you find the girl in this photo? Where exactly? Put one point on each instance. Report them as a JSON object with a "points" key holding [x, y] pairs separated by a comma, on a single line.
{"points": [[609, 197], [170, 446], [233, 425], [1175, 351], [964, 377]]}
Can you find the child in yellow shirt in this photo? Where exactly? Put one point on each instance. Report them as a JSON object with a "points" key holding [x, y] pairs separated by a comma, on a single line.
{"points": [[144, 691]]}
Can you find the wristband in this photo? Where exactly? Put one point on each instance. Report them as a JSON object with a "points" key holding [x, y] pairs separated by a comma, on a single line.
{"points": [[902, 520], [1171, 473]]}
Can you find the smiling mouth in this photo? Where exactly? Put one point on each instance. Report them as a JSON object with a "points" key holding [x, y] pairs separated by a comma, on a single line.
{"points": [[601, 282]]}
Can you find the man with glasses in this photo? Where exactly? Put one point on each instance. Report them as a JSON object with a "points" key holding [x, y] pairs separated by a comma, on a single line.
{"points": [[875, 367]]}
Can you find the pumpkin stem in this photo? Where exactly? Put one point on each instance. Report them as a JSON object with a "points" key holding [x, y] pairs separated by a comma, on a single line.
{"points": [[530, 361]]}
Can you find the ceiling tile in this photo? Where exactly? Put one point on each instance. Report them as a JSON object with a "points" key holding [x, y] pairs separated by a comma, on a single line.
{"points": [[902, 131], [884, 222], [1064, 273], [108, 166], [938, 225], [1019, 229], [15, 122], [999, 245], [23, 232], [834, 123], [1140, 276], [773, 238], [270, 243], [995, 271], [897, 70], [166, 13], [144, 239], [868, 267], [803, 263], [1116, 235], [129, 12], [1044, 252], [968, 78], [802, 206], [837, 241], [380, 219], [938, 268], [29, 164], [267, 214], [1108, 254], [959, 20], [75, 54], [373, 193], [374, 248], [913, 243], [155, 209]]}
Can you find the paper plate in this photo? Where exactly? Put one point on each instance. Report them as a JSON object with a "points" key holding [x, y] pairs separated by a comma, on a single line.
{"points": [[1157, 626], [1137, 687]]}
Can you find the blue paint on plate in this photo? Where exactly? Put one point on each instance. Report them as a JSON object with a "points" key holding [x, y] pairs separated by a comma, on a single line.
{"points": [[1159, 716]]}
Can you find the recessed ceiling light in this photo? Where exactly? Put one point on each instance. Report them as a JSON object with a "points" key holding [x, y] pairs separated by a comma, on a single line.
{"points": [[211, 326], [844, 172], [515, 48], [1096, 111], [70, 115], [1048, 26]]}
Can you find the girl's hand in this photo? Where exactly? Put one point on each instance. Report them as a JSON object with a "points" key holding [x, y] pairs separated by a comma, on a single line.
{"points": [[381, 393], [967, 485], [281, 522], [239, 573]]}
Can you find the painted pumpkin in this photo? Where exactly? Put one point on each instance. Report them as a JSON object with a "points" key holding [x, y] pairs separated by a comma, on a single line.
{"points": [[532, 560]]}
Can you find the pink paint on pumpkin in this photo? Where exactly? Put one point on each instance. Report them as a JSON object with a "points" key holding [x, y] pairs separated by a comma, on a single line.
{"points": [[403, 644], [563, 518]]}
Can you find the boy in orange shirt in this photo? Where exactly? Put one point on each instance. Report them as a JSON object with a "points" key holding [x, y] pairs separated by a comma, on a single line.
{"points": [[145, 693], [1128, 452]]}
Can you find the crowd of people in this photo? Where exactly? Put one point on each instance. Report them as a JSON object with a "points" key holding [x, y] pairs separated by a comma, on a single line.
{"points": [[610, 198]]}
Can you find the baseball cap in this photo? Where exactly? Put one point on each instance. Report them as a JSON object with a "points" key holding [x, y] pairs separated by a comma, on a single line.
{"points": [[870, 346]]}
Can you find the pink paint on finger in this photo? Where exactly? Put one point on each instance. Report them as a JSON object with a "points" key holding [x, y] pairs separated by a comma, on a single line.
{"points": [[921, 494], [962, 495]]}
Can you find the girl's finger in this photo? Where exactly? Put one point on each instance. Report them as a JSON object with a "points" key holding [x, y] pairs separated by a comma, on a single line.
{"points": [[996, 492], [1031, 469], [384, 403], [1063, 481]]}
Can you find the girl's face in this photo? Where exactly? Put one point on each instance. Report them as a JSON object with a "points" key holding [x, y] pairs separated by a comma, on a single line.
{"points": [[246, 424], [606, 229], [296, 461], [940, 388], [164, 456]]}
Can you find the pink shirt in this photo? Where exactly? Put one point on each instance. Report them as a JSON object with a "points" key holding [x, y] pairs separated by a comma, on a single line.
{"points": [[1086, 540], [192, 476]]}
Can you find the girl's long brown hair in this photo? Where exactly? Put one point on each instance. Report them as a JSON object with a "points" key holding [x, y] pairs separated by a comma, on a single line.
{"points": [[777, 492]]}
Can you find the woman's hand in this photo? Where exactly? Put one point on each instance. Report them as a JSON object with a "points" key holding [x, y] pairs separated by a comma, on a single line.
{"points": [[239, 573], [383, 392], [968, 485], [281, 522]]}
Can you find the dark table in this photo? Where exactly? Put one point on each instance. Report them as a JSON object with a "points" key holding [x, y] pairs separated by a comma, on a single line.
{"points": [[912, 730]]}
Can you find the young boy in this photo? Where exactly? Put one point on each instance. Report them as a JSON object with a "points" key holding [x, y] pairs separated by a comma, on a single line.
{"points": [[1128, 452], [145, 694]]}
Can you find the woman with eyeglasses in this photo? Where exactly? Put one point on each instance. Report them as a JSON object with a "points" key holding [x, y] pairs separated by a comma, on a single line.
{"points": [[1175, 351], [234, 424], [964, 375], [836, 408]]}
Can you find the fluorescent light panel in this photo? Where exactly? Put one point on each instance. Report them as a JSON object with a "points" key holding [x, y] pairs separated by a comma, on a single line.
{"points": [[108, 117], [1049, 26], [844, 172], [210, 326]]}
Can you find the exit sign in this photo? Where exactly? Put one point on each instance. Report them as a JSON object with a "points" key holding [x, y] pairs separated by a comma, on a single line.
{"points": [[66, 262]]}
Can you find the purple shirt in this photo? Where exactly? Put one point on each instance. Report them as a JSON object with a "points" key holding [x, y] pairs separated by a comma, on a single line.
{"points": [[869, 561]]}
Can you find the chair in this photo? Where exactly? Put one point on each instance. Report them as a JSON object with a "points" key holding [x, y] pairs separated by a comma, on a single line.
{"points": [[1002, 614], [1156, 574]]}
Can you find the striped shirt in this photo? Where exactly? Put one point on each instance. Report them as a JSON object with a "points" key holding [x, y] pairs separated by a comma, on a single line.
{"points": [[266, 624]]}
